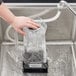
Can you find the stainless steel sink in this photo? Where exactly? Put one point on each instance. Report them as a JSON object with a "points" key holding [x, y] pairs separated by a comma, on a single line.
{"points": [[60, 64], [61, 33]]}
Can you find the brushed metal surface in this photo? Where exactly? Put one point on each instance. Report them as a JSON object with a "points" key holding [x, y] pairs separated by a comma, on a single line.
{"points": [[61, 62], [60, 30]]}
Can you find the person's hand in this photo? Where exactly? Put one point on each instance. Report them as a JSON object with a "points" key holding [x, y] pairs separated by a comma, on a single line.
{"points": [[20, 22]]}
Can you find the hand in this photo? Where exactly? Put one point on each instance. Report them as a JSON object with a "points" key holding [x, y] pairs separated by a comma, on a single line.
{"points": [[20, 22]]}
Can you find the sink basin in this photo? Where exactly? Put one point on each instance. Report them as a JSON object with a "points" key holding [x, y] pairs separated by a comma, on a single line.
{"points": [[60, 64], [61, 56]]}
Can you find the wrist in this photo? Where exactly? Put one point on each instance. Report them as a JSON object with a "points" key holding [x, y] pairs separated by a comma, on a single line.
{"points": [[12, 19]]}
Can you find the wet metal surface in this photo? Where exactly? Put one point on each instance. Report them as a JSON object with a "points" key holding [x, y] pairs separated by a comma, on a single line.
{"points": [[60, 65]]}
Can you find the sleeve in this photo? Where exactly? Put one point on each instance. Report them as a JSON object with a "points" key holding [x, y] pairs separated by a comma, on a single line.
{"points": [[0, 2]]}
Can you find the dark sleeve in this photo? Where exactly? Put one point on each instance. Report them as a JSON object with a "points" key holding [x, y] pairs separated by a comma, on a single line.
{"points": [[0, 1]]}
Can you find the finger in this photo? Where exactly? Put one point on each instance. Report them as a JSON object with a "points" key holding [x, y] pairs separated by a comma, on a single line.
{"points": [[30, 26], [21, 32], [34, 23]]}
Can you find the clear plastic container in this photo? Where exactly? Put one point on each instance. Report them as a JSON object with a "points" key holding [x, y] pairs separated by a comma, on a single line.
{"points": [[35, 44]]}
